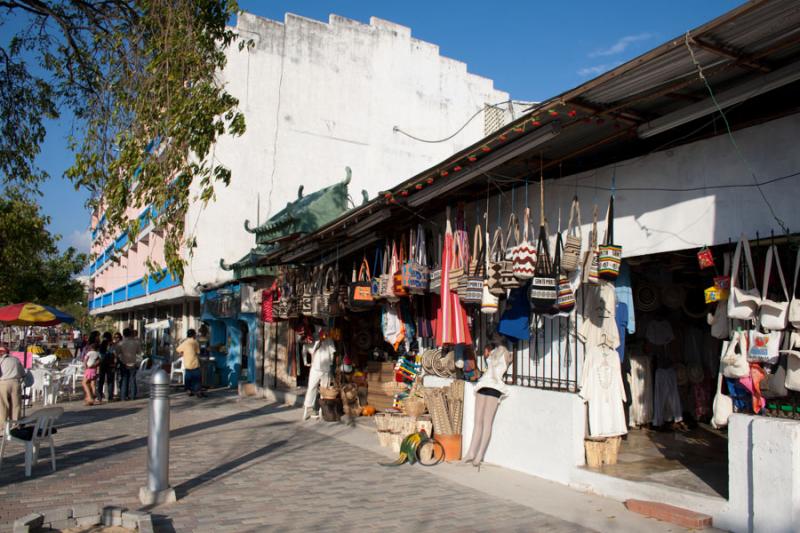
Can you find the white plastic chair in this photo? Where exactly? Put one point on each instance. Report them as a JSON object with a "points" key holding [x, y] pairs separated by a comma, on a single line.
{"points": [[52, 387], [177, 370], [40, 379], [37, 430]]}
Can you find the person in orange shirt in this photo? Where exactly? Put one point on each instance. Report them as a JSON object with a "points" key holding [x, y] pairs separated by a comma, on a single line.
{"points": [[190, 352]]}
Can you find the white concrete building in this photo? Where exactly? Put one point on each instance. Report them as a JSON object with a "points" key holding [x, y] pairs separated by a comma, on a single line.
{"points": [[317, 97]]}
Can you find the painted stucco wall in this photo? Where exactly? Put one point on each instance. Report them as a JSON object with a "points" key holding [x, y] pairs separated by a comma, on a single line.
{"points": [[319, 97], [764, 475], [535, 431]]}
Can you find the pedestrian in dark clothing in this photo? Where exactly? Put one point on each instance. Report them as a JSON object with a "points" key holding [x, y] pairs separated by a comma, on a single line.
{"points": [[108, 365]]}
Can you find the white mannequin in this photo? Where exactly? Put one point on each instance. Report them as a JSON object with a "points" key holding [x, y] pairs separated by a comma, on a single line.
{"points": [[321, 353], [497, 361]]}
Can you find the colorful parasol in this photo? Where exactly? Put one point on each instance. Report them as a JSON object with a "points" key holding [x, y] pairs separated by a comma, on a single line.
{"points": [[30, 314]]}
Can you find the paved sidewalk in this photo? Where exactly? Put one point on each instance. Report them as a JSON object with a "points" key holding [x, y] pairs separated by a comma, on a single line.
{"points": [[243, 465]]}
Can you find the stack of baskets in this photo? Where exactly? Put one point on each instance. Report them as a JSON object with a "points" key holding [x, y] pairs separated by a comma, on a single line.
{"points": [[446, 406], [393, 428]]}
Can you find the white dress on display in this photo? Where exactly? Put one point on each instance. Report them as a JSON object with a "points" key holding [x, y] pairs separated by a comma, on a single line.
{"points": [[641, 382], [601, 385]]}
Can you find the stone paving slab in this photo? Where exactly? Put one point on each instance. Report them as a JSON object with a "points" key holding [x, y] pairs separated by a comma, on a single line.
{"points": [[243, 465]]}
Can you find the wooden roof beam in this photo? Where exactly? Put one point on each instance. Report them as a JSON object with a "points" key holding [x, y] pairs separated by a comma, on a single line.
{"points": [[740, 59], [621, 115]]}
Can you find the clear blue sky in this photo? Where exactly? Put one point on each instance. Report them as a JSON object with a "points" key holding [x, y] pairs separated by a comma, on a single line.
{"points": [[533, 50]]}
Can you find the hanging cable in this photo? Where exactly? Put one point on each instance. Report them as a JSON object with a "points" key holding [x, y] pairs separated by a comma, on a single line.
{"points": [[730, 134], [397, 129]]}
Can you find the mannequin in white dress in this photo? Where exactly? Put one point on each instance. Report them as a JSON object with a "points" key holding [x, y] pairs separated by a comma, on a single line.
{"points": [[488, 393], [322, 352]]}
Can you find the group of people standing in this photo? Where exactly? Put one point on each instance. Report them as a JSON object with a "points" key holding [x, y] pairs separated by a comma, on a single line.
{"points": [[110, 363]]}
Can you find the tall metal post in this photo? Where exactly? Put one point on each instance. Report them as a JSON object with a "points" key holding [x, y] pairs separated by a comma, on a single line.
{"points": [[158, 490]]}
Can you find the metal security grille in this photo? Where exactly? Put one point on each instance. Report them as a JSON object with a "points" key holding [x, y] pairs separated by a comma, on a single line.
{"points": [[493, 119], [553, 356]]}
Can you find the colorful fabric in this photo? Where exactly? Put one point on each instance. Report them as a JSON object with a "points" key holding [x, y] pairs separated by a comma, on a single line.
{"points": [[451, 319]]}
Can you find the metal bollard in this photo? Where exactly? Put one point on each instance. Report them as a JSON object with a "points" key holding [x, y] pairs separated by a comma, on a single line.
{"points": [[158, 490]]}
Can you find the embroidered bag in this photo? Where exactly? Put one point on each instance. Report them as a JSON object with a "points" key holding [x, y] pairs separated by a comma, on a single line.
{"points": [[705, 259], [359, 294], [523, 255], [743, 304], [566, 296], [398, 258], [459, 253], [544, 285], [471, 289], [773, 315], [387, 279], [764, 347], [794, 305], [591, 258], [571, 256], [507, 278], [416, 276], [306, 298], [610, 255]]}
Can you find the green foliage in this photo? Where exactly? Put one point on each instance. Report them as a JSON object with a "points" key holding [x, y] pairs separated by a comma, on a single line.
{"points": [[31, 267], [140, 77]]}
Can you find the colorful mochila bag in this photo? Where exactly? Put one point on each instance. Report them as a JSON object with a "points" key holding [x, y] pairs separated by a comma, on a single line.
{"points": [[416, 275], [494, 265], [471, 289], [610, 256], [507, 278], [571, 254]]}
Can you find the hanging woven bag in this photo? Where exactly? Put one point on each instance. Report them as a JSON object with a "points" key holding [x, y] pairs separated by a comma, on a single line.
{"points": [[494, 265], [523, 255], [591, 260], [436, 272], [359, 293], [544, 284], [507, 278], [610, 255], [566, 296], [471, 289], [398, 258], [571, 257], [489, 301]]}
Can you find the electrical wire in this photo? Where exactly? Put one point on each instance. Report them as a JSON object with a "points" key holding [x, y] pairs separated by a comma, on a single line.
{"points": [[510, 180], [730, 134], [459, 130]]}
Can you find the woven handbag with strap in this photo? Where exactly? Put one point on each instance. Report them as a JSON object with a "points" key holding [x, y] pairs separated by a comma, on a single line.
{"points": [[507, 278], [436, 272], [489, 302], [459, 256], [591, 259], [570, 259], [523, 255], [494, 265], [416, 275], [544, 285], [471, 289], [359, 293], [610, 255], [398, 258], [386, 284], [566, 297]]}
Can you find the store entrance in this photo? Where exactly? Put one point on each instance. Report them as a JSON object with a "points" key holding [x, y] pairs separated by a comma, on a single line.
{"points": [[670, 369]]}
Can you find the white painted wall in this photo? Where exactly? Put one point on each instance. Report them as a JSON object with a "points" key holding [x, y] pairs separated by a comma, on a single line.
{"points": [[535, 431], [649, 221], [322, 96], [764, 475]]}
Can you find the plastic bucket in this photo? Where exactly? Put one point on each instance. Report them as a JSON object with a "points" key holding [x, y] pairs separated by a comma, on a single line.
{"points": [[451, 445]]}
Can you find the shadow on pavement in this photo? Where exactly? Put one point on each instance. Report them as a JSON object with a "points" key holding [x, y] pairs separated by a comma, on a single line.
{"points": [[122, 447]]}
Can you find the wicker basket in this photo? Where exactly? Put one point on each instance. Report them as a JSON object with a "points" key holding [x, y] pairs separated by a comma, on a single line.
{"points": [[391, 388], [414, 407], [602, 451], [395, 441], [328, 393], [385, 438], [382, 421]]}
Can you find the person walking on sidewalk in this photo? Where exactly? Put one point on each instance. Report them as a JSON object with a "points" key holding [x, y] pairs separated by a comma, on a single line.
{"points": [[11, 374], [108, 364], [190, 353], [127, 352]]}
